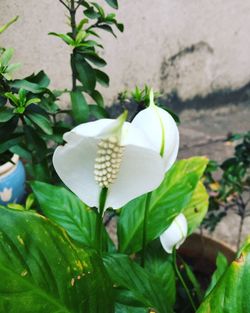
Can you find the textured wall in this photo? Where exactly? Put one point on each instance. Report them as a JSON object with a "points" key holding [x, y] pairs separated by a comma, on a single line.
{"points": [[192, 47]]}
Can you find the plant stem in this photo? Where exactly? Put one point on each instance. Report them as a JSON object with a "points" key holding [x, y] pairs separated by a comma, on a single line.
{"points": [[144, 231], [99, 223], [242, 218], [74, 33], [182, 281]]}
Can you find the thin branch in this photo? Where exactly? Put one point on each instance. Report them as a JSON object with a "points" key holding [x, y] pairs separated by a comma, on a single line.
{"points": [[79, 3], [63, 3]]}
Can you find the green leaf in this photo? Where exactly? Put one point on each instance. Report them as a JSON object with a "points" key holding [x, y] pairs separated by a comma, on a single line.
{"points": [[12, 97], [66, 38], [102, 78], [98, 112], [34, 83], [80, 107], [167, 201], [42, 271], [94, 58], [85, 73], [91, 13], [6, 56], [98, 98], [113, 3], [41, 121], [197, 208], [191, 276], [12, 141], [68, 211], [135, 284], [221, 266], [5, 115], [3, 28], [160, 264], [120, 308], [231, 293], [12, 67], [107, 28]]}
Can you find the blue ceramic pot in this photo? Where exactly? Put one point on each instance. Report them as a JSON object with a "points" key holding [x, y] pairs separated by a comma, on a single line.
{"points": [[12, 181]]}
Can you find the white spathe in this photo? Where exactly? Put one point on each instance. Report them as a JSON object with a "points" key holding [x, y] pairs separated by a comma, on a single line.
{"points": [[161, 129], [141, 169], [175, 234]]}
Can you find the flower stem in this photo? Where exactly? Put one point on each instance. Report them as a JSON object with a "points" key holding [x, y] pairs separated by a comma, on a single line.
{"points": [[144, 231], [99, 224], [182, 281]]}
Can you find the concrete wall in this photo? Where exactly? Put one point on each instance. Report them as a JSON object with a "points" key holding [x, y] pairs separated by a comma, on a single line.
{"points": [[192, 47]]}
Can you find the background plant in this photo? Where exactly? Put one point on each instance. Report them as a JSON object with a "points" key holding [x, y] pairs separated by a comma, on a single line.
{"points": [[231, 191], [28, 117], [84, 39]]}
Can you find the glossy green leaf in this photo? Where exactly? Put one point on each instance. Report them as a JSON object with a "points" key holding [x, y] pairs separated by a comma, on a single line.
{"points": [[221, 266], [160, 264], [85, 73], [98, 112], [113, 3], [6, 56], [107, 28], [68, 211], [167, 201], [66, 38], [120, 308], [5, 114], [231, 293], [197, 208], [95, 59], [41, 121], [102, 78], [80, 108], [96, 95], [140, 285], [42, 271]]}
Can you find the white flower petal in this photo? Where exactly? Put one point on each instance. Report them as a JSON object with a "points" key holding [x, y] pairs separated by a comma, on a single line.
{"points": [[74, 163], [151, 121], [175, 234], [141, 171]]}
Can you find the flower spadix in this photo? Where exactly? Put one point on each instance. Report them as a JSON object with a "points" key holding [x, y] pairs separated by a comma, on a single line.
{"points": [[175, 234], [161, 129], [110, 154]]}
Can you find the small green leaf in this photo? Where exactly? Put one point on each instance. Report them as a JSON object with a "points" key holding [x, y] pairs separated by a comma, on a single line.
{"points": [[85, 73], [6, 56], [80, 107], [41, 121], [5, 114], [107, 28], [113, 3], [98, 112], [221, 266], [97, 97], [66, 38], [102, 78], [3, 28]]}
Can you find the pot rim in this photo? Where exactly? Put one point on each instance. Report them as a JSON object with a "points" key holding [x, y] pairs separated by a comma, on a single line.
{"points": [[8, 166]]}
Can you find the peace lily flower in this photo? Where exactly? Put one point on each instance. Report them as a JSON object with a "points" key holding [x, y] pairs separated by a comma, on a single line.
{"points": [[161, 129], [108, 154], [175, 234]]}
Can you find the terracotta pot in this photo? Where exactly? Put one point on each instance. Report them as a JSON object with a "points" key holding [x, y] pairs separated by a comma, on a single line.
{"points": [[201, 252]]}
